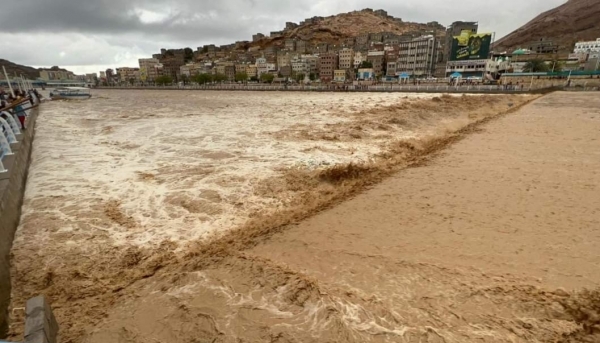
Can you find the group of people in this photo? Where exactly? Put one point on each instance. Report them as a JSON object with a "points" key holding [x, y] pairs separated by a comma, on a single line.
{"points": [[15, 103]]}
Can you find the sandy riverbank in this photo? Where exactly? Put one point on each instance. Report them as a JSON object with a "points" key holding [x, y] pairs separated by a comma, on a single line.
{"points": [[120, 195]]}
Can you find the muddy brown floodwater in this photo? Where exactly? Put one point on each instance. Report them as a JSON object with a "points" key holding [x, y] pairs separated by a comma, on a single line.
{"points": [[441, 219]]}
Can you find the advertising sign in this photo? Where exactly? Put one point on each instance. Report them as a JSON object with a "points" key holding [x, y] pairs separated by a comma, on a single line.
{"points": [[471, 46], [143, 74]]}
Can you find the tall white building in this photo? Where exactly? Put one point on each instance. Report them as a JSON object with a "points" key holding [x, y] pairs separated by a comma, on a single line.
{"points": [[587, 47]]}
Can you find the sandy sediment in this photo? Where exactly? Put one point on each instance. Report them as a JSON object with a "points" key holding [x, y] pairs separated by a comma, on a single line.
{"points": [[269, 279]]}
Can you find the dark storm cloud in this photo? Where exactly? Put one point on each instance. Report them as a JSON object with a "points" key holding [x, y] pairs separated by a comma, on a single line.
{"points": [[183, 20]]}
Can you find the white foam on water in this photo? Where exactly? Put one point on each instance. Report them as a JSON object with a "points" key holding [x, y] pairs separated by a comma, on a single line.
{"points": [[178, 165]]}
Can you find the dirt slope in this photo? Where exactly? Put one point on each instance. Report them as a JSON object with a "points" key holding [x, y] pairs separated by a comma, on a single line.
{"points": [[334, 29], [13, 68], [574, 21]]}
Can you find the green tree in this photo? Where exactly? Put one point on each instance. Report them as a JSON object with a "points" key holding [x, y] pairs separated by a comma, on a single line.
{"points": [[299, 77], [202, 78], [241, 77], [267, 78], [163, 80], [220, 77], [535, 66], [312, 76], [366, 64], [185, 79], [254, 79], [132, 81]]}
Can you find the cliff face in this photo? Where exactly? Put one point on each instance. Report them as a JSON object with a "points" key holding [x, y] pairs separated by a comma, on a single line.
{"points": [[336, 28], [576, 20]]}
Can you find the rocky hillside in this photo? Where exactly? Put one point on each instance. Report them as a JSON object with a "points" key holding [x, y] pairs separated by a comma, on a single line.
{"points": [[574, 21], [334, 29], [13, 68]]}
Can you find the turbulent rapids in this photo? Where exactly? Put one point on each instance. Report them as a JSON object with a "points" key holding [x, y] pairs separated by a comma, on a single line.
{"points": [[189, 217]]}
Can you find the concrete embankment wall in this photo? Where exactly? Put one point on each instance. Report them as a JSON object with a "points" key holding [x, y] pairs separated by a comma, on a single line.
{"points": [[11, 198]]}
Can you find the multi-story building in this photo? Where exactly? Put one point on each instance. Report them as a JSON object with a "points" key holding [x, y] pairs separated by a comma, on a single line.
{"points": [[275, 34], [359, 58], [346, 59], [252, 71], [148, 69], [285, 71], [391, 68], [362, 39], [172, 60], [349, 42], [417, 57], [377, 59], [376, 37], [300, 66], [476, 68], [290, 25], [56, 73], [283, 60], [322, 48], [328, 62], [339, 75], [190, 69], [587, 47], [543, 46], [127, 74], [241, 68], [230, 72], [262, 66], [312, 63], [301, 46], [381, 13], [257, 37], [271, 51], [365, 74], [290, 44]]}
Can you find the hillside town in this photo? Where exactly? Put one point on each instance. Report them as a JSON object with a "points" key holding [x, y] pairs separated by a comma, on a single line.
{"points": [[428, 52]]}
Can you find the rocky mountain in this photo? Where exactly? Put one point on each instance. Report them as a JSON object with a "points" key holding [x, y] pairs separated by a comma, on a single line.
{"points": [[334, 29], [13, 68], [576, 20]]}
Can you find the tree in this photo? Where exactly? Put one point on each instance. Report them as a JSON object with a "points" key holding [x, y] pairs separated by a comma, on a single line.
{"points": [[312, 76], [220, 77], [267, 78], [132, 81], [202, 78], [185, 79], [366, 64], [254, 79], [241, 77], [163, 80], [535, 66], [299, 77]]}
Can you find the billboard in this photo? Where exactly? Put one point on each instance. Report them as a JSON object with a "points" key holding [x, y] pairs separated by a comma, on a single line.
{"points": [[143, 74], [470, 46]]}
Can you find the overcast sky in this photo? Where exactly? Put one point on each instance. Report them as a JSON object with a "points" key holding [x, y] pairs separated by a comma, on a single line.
{"points": [[91, 35]]}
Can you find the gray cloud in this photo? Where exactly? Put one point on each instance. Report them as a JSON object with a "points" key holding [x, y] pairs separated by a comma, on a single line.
{"points": [[89, 34]]}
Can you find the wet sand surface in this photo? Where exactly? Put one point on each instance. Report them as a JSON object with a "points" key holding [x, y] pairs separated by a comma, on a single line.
{"points": [[492, 239]]}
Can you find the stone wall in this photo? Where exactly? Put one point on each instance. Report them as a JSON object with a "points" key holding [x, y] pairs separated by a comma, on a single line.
{"points": [[11, 199]]}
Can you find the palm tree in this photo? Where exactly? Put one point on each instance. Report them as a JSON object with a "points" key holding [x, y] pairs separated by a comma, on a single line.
{"points": [[535, 66]]}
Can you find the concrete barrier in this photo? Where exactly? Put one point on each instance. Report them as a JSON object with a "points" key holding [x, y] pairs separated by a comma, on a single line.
{"points": [[12, 188], [40, 324]]}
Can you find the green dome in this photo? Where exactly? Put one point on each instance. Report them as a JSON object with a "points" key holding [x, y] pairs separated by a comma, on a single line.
{"points": [[519, 52]]}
